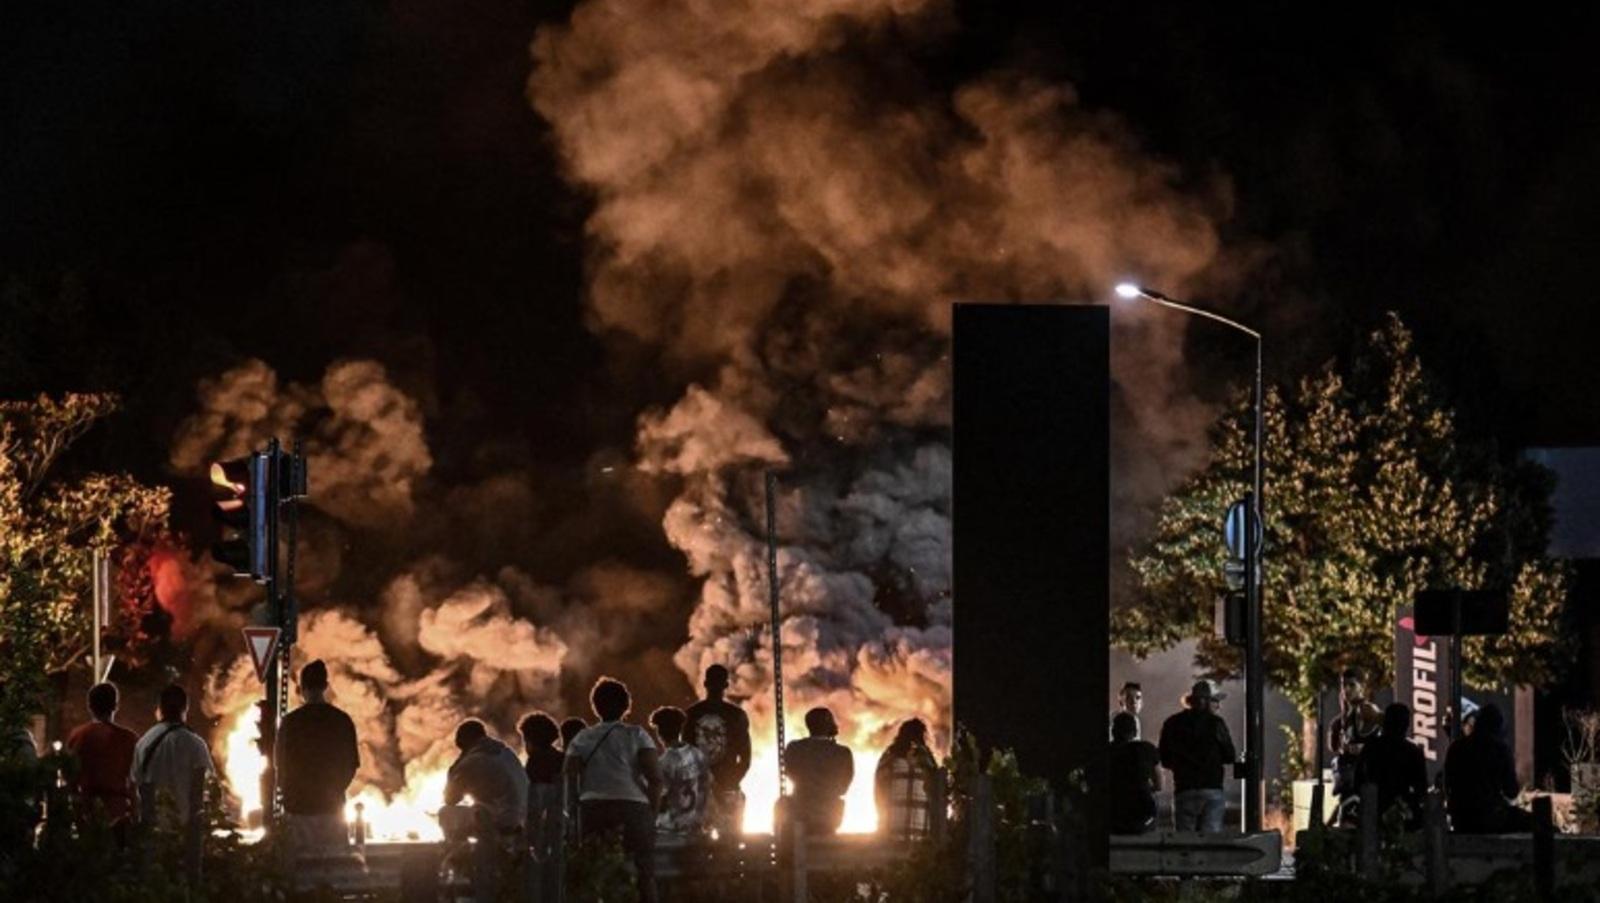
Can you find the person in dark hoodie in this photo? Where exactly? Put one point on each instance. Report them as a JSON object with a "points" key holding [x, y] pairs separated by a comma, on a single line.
{"points": [[1396, 765], [1480, 780], [1134, 780], [1197, 748]]}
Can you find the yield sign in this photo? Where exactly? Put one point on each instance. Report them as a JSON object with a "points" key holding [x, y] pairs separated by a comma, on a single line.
{"points": [[262, 643]]}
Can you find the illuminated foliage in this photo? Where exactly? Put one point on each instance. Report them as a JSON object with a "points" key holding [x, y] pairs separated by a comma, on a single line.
{"points": [[49, 525], [1371, 496]]}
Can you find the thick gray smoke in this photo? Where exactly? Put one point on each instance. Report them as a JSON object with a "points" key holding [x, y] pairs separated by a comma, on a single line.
{"points": [[785, 209], [436, 642]]}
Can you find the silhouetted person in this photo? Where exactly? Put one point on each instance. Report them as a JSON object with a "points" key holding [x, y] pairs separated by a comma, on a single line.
{"points": [[903, 783], [571, 728], [539, 736], [820, 770], [1134, 780], [1197, 748], [543, 766], [105, 757], [19, 746], [1130, 700], [721, 730], [1480, 780], [489, 772], [317, 758], [619, 779], [685, 776], [1358, 721], [167, 757], [1391, 761]]}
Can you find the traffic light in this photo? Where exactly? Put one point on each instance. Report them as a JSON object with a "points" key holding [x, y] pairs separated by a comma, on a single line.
{"points": [[245, 511], [1233, 617]]}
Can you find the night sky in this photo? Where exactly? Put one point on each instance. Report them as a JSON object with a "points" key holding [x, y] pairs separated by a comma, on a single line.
{"points": [[184, 186], [301, 181]]}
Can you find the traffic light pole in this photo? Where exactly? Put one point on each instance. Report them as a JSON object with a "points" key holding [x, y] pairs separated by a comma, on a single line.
{"points": [[272, 708], [1255, 675]]}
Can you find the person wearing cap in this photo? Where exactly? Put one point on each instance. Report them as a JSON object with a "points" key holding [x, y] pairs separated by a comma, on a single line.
{"points": [[721, 730], [1197, 748], [317, 758]]}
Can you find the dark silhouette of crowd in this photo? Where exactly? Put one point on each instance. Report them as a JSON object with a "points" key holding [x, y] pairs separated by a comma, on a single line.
{"points": [[1478, 784]]}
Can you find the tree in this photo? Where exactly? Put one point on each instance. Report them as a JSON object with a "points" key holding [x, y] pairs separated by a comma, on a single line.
{"points": [[48, 528], [1371, 496]]}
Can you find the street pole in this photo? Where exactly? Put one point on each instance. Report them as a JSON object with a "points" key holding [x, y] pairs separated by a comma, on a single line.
{"points": [[774, 597], [1255, 677]]}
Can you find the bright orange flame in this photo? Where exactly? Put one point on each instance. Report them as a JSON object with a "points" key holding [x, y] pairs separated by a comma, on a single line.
{"points": [[411, 814], [761, 792]]}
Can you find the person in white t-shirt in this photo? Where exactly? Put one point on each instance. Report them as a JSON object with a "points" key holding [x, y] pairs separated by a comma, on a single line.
{"points": [[172, 760], [619, 779], [685, 775]]}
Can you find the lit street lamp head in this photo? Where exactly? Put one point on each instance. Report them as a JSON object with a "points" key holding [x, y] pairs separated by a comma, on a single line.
{"points": [[1127, 290]]}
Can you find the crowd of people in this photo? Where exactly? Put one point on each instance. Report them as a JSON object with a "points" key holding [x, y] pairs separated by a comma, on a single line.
{"points": [[680, 778], [1369, 746]]}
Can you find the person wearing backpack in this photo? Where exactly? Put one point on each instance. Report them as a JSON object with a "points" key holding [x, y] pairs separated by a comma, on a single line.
{"points": [[618, 771], [167, 757]]}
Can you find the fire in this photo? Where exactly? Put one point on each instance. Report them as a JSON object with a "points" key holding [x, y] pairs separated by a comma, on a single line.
{"points": [[410, 815], [244, 765], [761, 792]]}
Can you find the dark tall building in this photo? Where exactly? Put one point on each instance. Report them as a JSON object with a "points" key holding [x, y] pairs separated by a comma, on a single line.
{"points": [[1031, 538]]}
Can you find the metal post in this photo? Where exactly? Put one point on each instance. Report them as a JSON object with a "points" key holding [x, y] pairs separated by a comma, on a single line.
{"points": [[1369, 832], [1438, 870], [1544, 848], [777, 617], [102, 594], [276, 677], [1255, 675], [981, 842]]}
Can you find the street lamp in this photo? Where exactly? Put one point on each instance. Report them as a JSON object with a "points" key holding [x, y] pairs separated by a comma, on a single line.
{"points": [[1254, 671]]}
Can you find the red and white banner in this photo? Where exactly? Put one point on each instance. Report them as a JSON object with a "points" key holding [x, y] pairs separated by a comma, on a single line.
{"points": [[1422, 681]]}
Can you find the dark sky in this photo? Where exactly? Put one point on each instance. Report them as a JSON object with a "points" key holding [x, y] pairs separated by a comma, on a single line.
{"points": [[184, 185]]}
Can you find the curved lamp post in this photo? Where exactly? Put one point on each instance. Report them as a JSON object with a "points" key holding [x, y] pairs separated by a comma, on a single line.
{"points": [[1254, 671]]}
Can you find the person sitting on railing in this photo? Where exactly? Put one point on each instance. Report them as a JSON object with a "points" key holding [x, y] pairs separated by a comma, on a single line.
{"points": [[1480, 780], [1396, 765], [821, 769], [1134, 779], [489, 772], [903, 784], [684, 773]]}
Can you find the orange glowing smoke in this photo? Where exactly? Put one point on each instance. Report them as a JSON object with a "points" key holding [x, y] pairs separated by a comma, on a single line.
{"points": [[171, 589]]}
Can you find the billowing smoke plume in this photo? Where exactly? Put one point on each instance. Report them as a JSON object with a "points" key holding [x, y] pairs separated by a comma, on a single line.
{"points": [[366, 450], [433, 641], [785, 207]]}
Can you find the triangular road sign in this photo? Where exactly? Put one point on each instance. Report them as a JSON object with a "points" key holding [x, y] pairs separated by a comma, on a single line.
{"points": [[262, 643]]}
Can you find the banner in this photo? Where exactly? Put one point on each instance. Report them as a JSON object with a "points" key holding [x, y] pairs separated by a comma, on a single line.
{"points": [[1422, 681]]}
